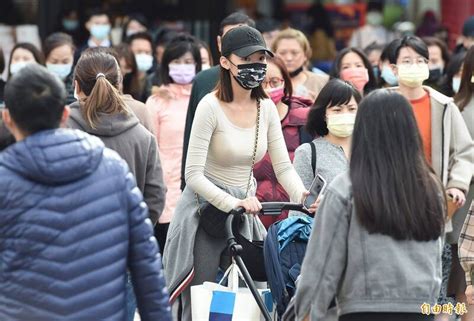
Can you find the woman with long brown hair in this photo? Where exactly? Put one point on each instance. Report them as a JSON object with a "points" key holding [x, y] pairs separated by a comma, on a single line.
{"points": [[377, 240], [102, 112], [233, 128]]}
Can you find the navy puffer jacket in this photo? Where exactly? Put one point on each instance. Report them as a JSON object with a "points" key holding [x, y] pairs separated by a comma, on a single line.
{"points": [[72, 221]]}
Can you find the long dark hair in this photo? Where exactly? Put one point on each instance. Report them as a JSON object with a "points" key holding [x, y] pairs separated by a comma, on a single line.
{"points": [[102, 92], [395, 191], [336, 67], [452, 68], [464, 96]]}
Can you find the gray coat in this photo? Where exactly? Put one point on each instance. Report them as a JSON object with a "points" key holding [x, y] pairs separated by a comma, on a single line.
{"points": [[178, 257], [330, 162], [366, 272], [136, 145]]}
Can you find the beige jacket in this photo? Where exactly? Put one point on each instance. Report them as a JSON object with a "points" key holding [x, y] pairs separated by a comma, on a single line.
{"points": [[452, 148]]}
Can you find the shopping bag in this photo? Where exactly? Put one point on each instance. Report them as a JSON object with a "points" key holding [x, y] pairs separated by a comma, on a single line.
{"points": [[215, 302]]}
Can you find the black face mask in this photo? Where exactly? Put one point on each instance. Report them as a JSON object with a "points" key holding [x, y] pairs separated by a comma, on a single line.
{"points": [[296, 72], [250, 76], [435, 74]]}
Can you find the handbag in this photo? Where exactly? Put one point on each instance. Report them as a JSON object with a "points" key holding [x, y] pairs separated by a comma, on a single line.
{"points": [[212, 220]]}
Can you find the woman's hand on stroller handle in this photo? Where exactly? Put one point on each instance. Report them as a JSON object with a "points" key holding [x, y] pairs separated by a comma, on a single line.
{"points": [[251, 205]]}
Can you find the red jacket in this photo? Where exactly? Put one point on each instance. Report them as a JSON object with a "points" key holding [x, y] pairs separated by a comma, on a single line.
{"points": [[268, 188]]}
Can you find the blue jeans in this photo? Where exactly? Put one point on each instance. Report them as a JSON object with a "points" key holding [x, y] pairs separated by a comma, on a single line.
{"points": [[131, 304]]}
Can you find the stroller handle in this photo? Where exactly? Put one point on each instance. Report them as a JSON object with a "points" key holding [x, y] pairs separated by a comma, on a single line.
{"points": [[235, 249], [275, 208]]}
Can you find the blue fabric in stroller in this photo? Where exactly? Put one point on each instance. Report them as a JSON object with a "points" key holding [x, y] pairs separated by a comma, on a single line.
{"points": [[284, 250]]}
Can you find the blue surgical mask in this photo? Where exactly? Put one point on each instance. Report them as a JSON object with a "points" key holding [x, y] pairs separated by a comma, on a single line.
{"points": [[388, 76], [70, 25], [144, 62], [100, 32], [17, 66], [376, 71], [456, 84], [61, 70]]}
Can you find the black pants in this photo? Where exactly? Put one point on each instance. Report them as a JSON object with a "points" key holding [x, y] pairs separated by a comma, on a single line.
{"points": [[385, 317], [161, 230]]}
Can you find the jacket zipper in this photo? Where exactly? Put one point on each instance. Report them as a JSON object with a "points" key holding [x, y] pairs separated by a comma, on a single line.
{"points": [[442, 144]]}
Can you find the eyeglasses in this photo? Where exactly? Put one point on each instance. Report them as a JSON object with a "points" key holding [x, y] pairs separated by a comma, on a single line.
{"points": [[274, 82], [418, 61]]}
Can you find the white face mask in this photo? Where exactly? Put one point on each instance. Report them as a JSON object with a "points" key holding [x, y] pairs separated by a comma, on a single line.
{"points": [[456, 84], [413, 75], [205, 66], [17, 66], [100, 32], [144, 62], [341, 125]]}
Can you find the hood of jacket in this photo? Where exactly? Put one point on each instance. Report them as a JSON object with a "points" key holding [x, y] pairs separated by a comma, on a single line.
{"points": [[106, 125], [54, 156]]}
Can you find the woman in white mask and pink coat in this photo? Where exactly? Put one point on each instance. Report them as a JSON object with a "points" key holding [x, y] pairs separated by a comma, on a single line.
{"points": [[169, 104]]}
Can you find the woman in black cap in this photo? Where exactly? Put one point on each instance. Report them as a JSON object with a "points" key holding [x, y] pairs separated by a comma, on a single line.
{"points": [[233, 128]]}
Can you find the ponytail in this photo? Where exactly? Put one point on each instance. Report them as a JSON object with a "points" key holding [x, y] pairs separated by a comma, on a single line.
{"points": [[97, 73]]}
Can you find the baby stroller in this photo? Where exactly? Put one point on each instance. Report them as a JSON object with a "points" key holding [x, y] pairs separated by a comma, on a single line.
{"points": [[247, 253], [284, 250]]}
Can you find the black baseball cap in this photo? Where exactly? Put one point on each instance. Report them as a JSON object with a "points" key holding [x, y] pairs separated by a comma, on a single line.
{"points": [[243, 41]]}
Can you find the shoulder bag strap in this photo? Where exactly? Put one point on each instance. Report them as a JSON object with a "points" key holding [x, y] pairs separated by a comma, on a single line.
{"points": [[254, 155], [313, 157]]}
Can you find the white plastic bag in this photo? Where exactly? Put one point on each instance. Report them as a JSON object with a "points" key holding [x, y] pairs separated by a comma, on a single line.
{"points": [[213, 301]]}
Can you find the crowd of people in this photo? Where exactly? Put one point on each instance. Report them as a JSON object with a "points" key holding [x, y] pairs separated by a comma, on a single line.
{"points": [[112, 157]]}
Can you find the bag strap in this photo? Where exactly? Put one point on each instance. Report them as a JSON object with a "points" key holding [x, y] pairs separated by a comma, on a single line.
{"points": [[254, 155], [313, 157], [235, 274]]}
